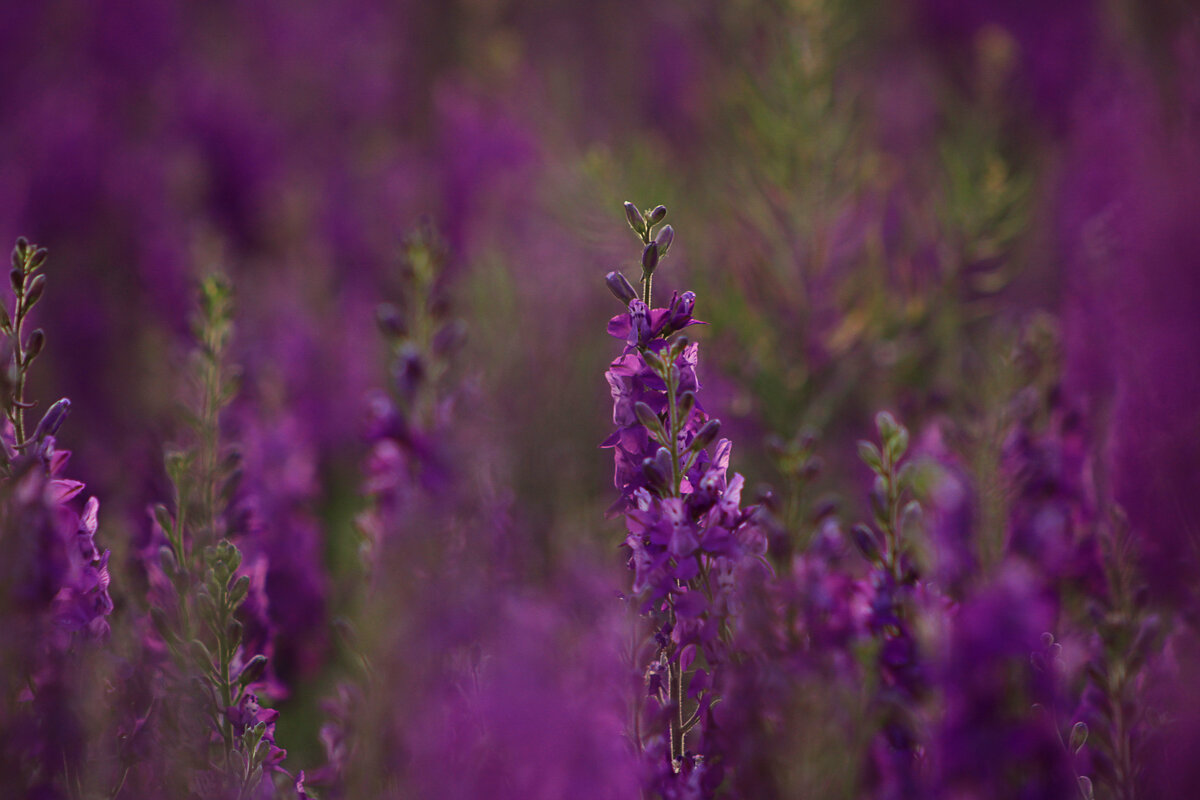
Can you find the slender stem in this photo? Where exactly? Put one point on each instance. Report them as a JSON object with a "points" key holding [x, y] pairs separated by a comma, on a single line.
{"points": [[17, 413], [676, 685]]}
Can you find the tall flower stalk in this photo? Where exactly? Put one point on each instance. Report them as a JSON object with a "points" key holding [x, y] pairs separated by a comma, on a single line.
{"points": [[54, 586], [200, 589], [688, 537]]}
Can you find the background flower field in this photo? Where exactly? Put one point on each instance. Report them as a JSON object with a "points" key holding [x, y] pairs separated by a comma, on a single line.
{"points": [[325, 289]]}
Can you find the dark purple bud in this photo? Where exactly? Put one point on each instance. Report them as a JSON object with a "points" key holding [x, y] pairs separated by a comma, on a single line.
{"points": [[390, 321], [687, 401], [37, 340], [635, 218], [5, 320], [662, 460], [650, 257], [36, 287], [17, 278], [253, 671], [656, 478], [52, 420], [409, 372], [865, 541], [826, 506], [657, 215], [620, 286], [18, 253], [39, 258], [706, 435], [664, 239]]}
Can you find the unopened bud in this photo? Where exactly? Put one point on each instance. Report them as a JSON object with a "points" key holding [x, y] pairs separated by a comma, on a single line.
{"points": [[657, 215], [635, 218], [17, 278], [650, 257], [620, 286], [866, 542], [39, 258], [390, 320], [687, 401], [655, 476], [36, 287], [37, 340], [706, 435], [52, 420], [646, 415], [18, 253], [664, 239]]}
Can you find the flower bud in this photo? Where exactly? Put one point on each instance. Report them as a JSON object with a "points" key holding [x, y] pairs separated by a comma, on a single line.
{"points": [[657, 215], [662, 460], [687, 401], [39, 258], [656, 478], [635, 218], [17, 278], [706, 435], [37, 340], [18, 253], [664, 239], [646, 415], [390, 321], [620, 286], [866, 542], [52, 420], [650, 257], [36, 287]]}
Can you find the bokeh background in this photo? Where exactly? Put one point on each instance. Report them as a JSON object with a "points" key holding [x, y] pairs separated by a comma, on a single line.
{"points": [[926, 206]]}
